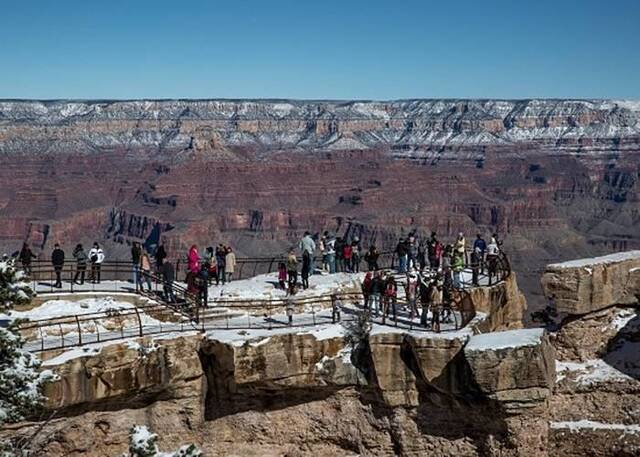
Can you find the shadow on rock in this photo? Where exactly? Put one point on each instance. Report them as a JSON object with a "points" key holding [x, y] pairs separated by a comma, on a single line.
{"points": [[623, 349]]}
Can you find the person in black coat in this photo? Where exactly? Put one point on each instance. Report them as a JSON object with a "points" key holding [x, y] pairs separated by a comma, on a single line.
{"points": [[25, 256], [57, 260], [81, 263], [161, 254], [168, 276]]}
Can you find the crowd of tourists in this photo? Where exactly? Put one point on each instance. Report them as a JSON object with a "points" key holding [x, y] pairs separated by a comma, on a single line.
{"points": [[433, 270]]}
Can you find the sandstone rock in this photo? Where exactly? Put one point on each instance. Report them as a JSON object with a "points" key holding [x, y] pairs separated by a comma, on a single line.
{"points": [[128, 373], [515, 367], [587, 285], [503, 303]]}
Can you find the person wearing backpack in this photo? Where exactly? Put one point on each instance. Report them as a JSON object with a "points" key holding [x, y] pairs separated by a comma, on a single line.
{"points": [[81, 263], [371, 257], [57, 260], [25, 256], [292, 268], [96, 256]]}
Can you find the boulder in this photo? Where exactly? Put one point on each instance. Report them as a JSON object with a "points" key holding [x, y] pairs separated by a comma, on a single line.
{"points": [[132, 373], [515, 367], [582, 286]]}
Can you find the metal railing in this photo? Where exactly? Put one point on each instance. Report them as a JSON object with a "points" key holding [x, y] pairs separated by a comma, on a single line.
{"points": [[129, 323]]}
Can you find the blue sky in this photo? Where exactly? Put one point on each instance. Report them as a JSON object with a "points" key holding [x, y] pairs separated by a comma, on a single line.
{"points": [[327, 49]]}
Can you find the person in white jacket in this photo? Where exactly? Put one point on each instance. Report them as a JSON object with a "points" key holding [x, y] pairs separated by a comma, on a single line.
{"points": [[96, 256]]}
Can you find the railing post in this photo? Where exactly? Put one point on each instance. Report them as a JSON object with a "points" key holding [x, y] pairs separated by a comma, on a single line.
{"points": [[61, 335], [139, 321], [79, 331]]}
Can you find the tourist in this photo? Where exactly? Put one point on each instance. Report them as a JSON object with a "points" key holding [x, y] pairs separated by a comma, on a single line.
{"points": [[347, 255], [168, 276], [330, 249], [306, 269], [160, 256], [411, 289], [57, 260], [230, 263], [355, 255], [377, 289], [210, 262], [422, 255], [402, 253], [221, 263], [307, 245], [435, 298], [145, 270], [412, 252], [136, 252], [457, 266], [193, 268], [322, 245], [366, 289], [336, 305], [81, 263], [339, 247], [202, 283], [96, 255], [371, 257], [493, 251], [390, 298], [193, 260], [282, 275], [480, 245], [292, 268], [25, 257], [290, 304], [434, 252], [425, 294], [459, 247], [476, 262]]}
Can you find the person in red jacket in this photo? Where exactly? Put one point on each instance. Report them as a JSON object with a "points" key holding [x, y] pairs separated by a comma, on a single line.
{"points": [[347, 253]]}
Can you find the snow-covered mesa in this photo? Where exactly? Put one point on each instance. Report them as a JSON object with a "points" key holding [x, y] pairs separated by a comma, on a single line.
{"points": [[588, 262], [504, 340]]}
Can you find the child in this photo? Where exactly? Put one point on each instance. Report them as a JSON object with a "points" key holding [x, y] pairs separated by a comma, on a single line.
{"points": [[336, 304], [282, 275], [290, 307]]}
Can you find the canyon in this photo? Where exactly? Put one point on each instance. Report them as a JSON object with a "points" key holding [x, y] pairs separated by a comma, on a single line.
{"points": [[556, 179]]}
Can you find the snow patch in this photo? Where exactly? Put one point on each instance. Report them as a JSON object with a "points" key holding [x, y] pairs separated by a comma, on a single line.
{"points": [[576, 426], [503, 340], [607, 259]]}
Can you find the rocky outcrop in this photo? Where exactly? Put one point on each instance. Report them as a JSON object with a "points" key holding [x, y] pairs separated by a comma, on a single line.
{"points": [[134, 373], [588, 285], [515, 367]]}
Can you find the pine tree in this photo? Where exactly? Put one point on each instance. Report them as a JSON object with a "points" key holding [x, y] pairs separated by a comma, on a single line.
{"points": [[20, 378]]}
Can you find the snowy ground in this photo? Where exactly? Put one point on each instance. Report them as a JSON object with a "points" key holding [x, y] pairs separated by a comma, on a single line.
{"points": [[266, 286], [238, 325], [258, 287]]}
